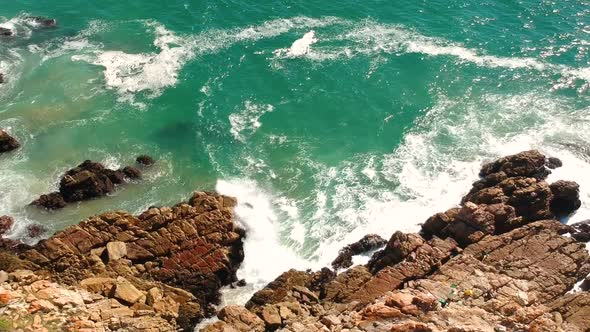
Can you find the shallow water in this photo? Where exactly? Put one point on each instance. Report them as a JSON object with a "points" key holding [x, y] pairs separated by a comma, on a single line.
{"points": [[328, 120]]}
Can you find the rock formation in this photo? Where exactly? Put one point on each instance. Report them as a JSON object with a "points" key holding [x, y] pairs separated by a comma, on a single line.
{"points": [[145, 160], [87, 180], [158, 271], [499, 262], [7, 142], [5, 32]]}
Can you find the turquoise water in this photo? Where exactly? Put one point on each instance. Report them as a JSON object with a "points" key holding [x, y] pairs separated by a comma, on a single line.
{"points": [[375, 120]]}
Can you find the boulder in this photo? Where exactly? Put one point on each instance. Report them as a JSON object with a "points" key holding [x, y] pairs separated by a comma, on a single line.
{"points": [[116, 250], [527, 164], [581, 231], [241, 319], [86, 181], [553, 163], [367, 243], [145, 160], [36, 230], [132, 172], [6, 223], [52, 201], [7, 142], [127, 293], [1, 78], [566, 198]]}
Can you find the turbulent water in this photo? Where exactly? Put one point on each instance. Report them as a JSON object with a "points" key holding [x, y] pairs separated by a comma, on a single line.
{"points": [[327, 119]]}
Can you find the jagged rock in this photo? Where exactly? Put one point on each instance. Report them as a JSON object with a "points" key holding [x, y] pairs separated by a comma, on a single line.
{"points": [[52, 201], [553, 163], [132, 172], [527, 164], [566, 198], [581, 231], [87, 180], [241, 319], [145, 160], [367, 243], [7, 142], [6, 223], [35, 230], [186, 253], [513, 274]]}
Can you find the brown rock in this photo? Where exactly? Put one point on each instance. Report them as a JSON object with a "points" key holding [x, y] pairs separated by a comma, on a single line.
{"points": [[241, 319], [126, 292], [7, 142], [6, 223], [566, 198], [51, 201], [116, 250], [271, 317], [145, 160]]}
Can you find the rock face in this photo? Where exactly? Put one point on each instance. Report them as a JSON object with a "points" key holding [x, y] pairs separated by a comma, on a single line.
{"points": [[499, 262], [167, 264], [87, 180], [7, 142]]}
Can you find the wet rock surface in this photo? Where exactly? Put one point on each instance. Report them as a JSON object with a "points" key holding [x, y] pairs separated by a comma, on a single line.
{"points": [[498, 262], [7, 142], [86, 181], [159, 271], [367, 243]]}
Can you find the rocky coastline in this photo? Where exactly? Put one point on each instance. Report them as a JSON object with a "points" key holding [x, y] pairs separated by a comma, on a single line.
{"points": [[499, 261]]}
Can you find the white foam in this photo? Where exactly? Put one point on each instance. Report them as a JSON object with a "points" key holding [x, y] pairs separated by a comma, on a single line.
{"points": [[299, 47], [265, 256], [245, 122]]}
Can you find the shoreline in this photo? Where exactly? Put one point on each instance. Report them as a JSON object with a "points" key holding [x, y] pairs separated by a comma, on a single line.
{"points": [[110, 258]]}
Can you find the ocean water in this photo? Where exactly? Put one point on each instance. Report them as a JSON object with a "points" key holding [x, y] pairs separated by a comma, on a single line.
{"points": [[327, 119]]}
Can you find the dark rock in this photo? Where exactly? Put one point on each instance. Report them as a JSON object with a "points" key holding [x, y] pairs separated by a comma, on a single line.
{"points": [[566, 198], [43, 21], [145, 160], [367, 243], [553, 163], [4, 32], [6, 223], [241, 283], [527, 163], [36, 230], [581, 231], [1, 78], [52, 201], [132, 172], [7, 142], [400, 245]]}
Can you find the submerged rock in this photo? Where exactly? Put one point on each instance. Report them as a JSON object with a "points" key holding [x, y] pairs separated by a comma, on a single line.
{"points": [[36, 230], [86, 181], [4, 32], [145, 160], [43, 21], [7, 142]]}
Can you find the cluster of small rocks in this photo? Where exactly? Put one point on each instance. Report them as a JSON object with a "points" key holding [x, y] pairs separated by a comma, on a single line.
{"points": [[30, 302]]}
